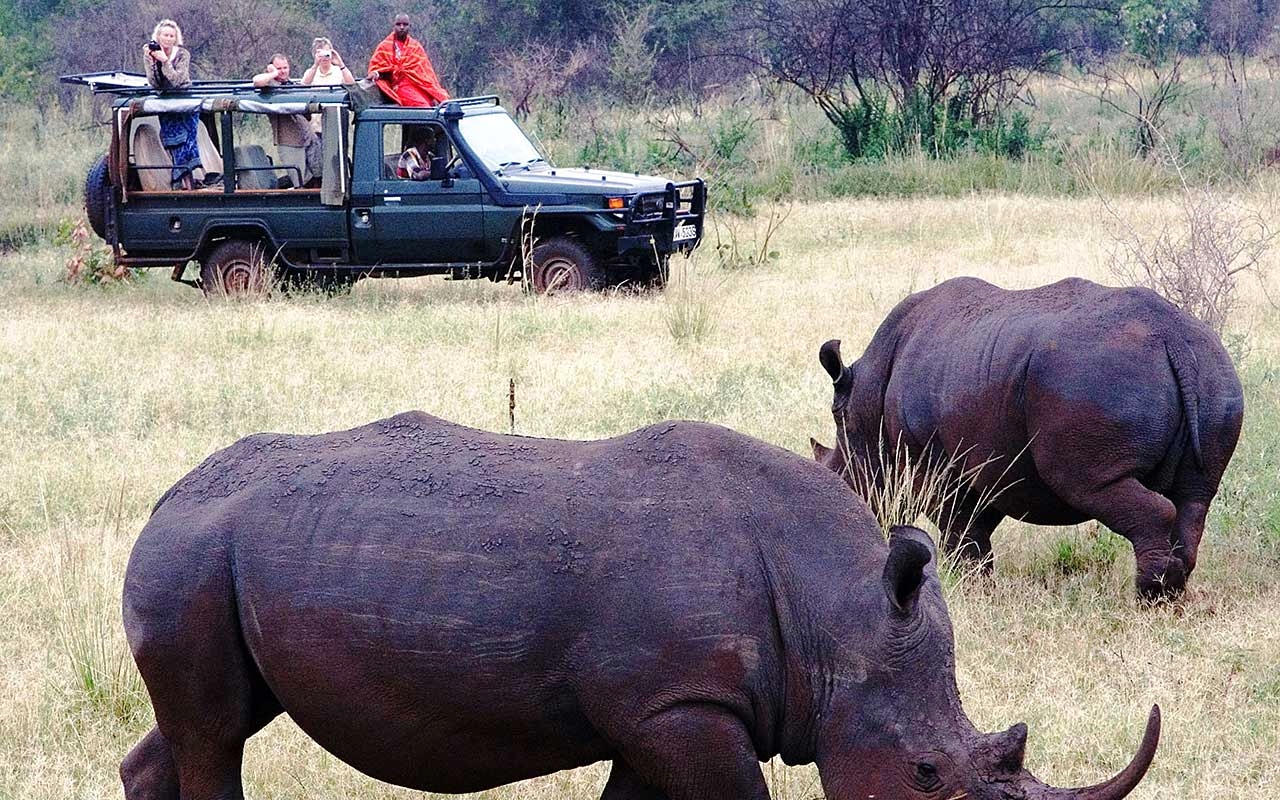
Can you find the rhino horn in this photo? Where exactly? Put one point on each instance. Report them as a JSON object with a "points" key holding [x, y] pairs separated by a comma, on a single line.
{"points": [[1121, 784], [829, 357]]}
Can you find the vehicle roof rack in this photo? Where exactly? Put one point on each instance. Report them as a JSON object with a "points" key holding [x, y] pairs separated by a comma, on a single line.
{"points": [[132, 84], [478, 100]]}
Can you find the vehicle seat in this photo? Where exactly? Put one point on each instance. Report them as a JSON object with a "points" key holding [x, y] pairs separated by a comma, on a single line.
{"points": [[150, 159], [210, 158], [253, 155]]}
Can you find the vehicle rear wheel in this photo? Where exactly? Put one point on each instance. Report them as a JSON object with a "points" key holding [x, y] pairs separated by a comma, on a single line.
{"points": [[562, 265], [236, 269], [97, 196]]}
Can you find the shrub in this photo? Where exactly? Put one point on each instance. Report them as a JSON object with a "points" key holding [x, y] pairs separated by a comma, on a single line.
{"points": [[1194, 259], [92, 262]]}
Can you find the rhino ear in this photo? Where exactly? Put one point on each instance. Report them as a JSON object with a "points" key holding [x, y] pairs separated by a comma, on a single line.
{"points": [[910, 549], [821, 453], [829, 357]]}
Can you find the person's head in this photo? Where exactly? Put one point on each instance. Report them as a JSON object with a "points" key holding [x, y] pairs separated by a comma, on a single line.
{"points": [[281, 62], [167, 33], [423, 138], [321, 43], [400, 27]]}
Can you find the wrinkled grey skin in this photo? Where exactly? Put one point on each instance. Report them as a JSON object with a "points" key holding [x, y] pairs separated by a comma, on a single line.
{"points": [[451, 610], [1083, 402]]}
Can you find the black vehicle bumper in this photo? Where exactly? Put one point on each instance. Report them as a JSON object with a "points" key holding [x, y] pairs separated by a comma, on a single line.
{"points": [[676, 227]]}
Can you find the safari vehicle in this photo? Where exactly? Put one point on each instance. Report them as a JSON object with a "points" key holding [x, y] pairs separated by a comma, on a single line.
{"points": [[492, 205]]}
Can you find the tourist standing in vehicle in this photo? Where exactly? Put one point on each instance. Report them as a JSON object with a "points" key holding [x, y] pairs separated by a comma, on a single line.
{"points": [[168, 66], [402, 70], [327, 69], [296, 141]]}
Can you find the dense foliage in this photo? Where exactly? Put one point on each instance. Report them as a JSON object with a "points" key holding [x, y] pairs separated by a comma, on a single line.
{"points": [[939, 77]]}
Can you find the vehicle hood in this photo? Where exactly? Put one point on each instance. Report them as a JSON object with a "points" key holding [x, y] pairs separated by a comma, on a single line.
{"points": [[577, 180]]}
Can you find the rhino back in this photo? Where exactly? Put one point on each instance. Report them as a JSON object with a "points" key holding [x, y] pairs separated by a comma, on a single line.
{"points": [[417, 575], [988, 370]]}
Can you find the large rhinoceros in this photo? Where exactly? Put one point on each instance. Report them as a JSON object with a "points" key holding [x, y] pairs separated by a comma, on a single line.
{"points": [[1052, 405], [451, 610]]}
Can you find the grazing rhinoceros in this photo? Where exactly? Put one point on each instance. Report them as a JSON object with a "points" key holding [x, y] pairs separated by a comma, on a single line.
{"points": [[1058, 404], [451, 610]]}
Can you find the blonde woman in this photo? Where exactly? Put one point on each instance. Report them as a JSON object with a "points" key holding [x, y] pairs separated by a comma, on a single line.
{"points": [[168, 66], [327, 69]]}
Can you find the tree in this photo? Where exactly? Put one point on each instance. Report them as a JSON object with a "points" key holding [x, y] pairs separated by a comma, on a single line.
{"points": [[929, 62], [1158, 37], [1235, 31]]}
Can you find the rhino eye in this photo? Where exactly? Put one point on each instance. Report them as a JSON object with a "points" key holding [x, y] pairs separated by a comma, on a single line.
{"points": [[926, 776]]}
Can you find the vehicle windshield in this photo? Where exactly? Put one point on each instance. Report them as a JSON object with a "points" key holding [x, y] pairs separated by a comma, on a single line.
{"points": [[498, 141]]}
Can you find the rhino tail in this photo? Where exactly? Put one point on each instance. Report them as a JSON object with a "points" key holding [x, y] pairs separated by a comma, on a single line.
{"points": [[1183, 363]]}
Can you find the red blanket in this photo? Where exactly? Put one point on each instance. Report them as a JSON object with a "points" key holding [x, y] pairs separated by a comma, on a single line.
{"points": [[412, 80]]}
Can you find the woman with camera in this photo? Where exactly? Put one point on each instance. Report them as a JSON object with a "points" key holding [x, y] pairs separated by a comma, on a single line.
{"points": [[168, 66], [327, 70]]}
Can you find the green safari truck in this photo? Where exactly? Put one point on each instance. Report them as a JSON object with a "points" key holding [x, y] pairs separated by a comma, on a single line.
{"points": [[487, 205]]}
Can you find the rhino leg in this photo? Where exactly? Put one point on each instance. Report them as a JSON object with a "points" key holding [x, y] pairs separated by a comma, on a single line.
{"points": [[966, 532], [625, 784], [692, 752], [1188, 531], [1148, 520], [205, 688], [148, 772]]}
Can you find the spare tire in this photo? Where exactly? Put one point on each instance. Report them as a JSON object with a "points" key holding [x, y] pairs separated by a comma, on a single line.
{"points": [[97, 196]]}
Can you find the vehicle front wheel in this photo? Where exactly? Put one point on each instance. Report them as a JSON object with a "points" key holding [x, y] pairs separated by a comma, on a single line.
{"points": [[562, 264], [236, 269]]}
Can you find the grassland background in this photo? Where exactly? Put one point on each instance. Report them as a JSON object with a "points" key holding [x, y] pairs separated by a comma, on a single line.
{"points": [[109, 395]]}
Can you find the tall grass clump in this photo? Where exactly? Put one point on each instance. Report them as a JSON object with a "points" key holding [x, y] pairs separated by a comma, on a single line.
{"points": [[98, 667], [692, 302], [901, 488]]}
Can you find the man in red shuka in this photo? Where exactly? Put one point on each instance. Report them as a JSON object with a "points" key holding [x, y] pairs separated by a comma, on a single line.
{"points": [[402, 70]]}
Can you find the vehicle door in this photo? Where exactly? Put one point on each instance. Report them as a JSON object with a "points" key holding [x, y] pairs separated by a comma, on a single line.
{"points": [[418, 214]]}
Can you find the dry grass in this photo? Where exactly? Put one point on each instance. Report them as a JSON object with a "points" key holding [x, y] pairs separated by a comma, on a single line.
{"points": [[111, 394]]}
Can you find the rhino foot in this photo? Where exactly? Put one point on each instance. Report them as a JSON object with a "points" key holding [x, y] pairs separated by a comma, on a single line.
{"points": [[1161, 580]]}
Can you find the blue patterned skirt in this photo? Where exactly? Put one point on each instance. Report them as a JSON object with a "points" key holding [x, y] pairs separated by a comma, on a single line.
{"points": [[178, 135]]}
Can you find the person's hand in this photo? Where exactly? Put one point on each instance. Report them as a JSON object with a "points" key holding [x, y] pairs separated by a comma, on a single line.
{"points": [[337, 61], [159, 55], [271, 71]]}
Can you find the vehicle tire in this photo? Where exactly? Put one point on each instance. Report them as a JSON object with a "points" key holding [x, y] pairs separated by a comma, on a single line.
{"points": [[564, 265], [98, 196], [236, 269]]}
